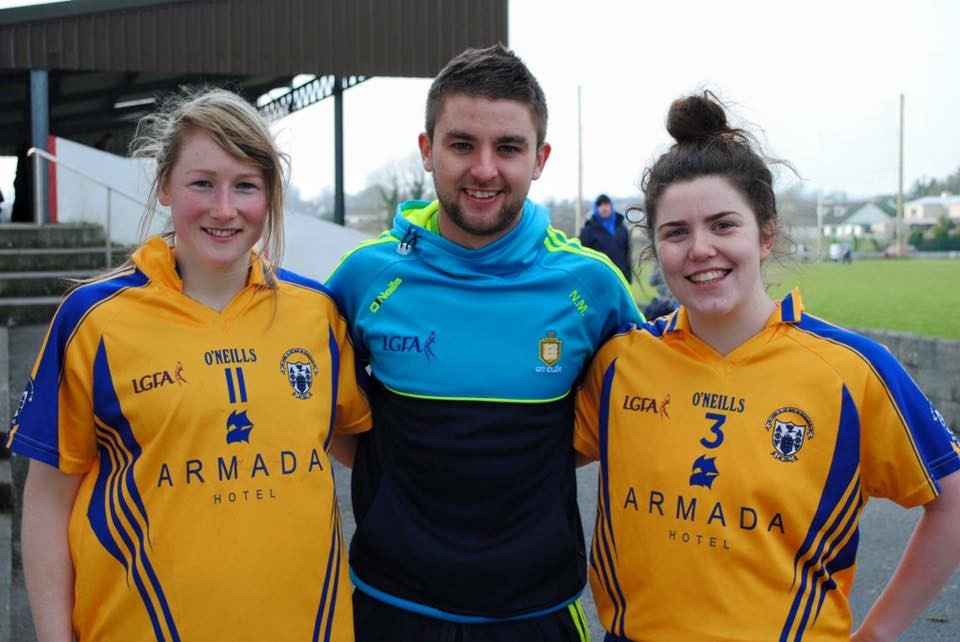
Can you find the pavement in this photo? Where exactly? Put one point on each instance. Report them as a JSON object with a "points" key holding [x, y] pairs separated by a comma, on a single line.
{"points": [[885, 529]]}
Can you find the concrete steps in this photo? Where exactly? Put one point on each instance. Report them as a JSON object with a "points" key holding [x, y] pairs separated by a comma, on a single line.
{"points": [[39, 263]]}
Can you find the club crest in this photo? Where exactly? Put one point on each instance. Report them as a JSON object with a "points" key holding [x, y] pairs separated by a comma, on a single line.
{"points": [[299, 367], [550, 348], [789, 429], [25, 397]]}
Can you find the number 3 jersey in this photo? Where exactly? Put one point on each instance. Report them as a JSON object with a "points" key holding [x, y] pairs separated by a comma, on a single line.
{"points": [[206, 509], [730, 488]]}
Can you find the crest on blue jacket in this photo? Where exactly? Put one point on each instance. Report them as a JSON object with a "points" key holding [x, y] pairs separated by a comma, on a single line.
{"points": [[299, 367], [789, 428], [238, 427]]}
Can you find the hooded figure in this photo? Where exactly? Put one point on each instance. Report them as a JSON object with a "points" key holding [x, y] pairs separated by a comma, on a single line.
{"points": [[605, 232]]}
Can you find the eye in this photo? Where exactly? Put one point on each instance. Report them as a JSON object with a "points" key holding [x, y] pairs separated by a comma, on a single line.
{"points": [[674, 234], [508, 149], [201, 183], [461, 146], [724, 225], [247, 186]]}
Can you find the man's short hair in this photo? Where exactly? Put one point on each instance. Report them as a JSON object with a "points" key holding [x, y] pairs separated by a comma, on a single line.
{"points": [[495, 73], [603, 198]]}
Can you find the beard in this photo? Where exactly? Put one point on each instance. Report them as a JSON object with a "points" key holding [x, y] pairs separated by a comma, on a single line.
{"points": [[504, 219]]}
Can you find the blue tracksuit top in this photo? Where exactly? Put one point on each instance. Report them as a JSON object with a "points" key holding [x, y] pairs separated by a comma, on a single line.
{"points": [[464, 491]]}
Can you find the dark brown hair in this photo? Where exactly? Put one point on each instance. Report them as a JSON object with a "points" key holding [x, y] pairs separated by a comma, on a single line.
{"points": [[706, 145], [495, 73]]}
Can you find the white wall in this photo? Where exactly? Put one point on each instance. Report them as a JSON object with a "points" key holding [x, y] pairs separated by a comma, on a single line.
{"points": [[79, 199], [312, 247]]}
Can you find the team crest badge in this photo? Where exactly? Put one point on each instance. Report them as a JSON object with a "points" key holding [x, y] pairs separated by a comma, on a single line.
{"points": [[25, 397], [299, 367], [789, 429], [550, 348]]}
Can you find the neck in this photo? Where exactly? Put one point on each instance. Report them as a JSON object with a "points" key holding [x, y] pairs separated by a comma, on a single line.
{"points": [[456, 234], [213, 289], [728, 332]]}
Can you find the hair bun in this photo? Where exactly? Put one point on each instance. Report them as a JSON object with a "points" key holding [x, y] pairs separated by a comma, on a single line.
{"points": [[697, 118]]}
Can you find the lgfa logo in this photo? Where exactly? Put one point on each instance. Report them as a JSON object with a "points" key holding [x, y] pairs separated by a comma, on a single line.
{"points": [[158, 379]]}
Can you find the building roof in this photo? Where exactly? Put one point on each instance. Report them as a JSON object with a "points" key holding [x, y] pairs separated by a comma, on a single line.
{"points": [[103, 54]]}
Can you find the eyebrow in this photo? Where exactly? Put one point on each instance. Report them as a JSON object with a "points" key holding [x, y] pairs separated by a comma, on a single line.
{"points": [[210, 172], [516, 139], [710, 219]]}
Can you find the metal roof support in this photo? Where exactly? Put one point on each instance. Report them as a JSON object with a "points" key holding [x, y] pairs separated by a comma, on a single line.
{"points": [[39, 132], [338, 201]]}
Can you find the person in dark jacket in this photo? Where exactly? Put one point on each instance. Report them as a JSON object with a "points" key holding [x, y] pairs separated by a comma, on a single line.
{"points": [[605, 232]]}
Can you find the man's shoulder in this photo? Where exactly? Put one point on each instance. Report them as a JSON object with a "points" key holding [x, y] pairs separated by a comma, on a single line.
{"points": [[369, 255], [571, 254]]}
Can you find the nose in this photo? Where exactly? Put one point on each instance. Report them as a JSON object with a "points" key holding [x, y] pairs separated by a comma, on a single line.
{"points": [[223, 208], [484, 167], [701, 245]]}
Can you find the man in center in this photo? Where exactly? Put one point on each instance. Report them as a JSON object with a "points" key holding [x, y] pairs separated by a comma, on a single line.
{"points": [[476, 318]]}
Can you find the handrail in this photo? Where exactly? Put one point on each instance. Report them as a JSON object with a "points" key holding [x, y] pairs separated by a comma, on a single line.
{"points": [[38, 153]]}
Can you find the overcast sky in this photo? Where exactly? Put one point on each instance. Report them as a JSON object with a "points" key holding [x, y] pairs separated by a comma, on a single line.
{"points": [[821, 78]]}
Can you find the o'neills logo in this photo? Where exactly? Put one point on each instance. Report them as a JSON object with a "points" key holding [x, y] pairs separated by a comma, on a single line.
{"points": [[383, 296]]}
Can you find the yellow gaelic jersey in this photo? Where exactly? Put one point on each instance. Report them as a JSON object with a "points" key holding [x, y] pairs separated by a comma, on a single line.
{"points": [[730, 488], [206, 510]]}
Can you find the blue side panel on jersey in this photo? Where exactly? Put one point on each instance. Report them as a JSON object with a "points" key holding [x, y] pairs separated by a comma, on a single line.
{"points": [[323, 630], [844, 469], [604, 436], [119, 452], [932, 439], [607, 539], [334, 385], [302, 281], [38, 433]]}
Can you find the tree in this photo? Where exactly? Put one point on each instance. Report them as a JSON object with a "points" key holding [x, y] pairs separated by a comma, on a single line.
{"points": [[924, 186], [400, 181]]}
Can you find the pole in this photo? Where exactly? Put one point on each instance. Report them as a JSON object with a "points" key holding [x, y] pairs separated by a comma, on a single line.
{"points": [[578, 217], [338, 202], [39, 132], [900, 187]]}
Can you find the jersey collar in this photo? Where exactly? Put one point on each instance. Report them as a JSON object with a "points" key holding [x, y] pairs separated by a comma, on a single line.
{"points": [[788, 310], [155, 259]]}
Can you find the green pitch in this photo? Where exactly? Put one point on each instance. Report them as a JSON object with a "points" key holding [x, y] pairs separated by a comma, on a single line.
{"points": [[917, 296]]}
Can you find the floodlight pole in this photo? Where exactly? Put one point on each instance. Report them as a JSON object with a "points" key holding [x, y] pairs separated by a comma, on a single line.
{"points": [[900, 187], [578, 210]]}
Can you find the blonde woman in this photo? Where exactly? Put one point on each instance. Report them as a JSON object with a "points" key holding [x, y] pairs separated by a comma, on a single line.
{"points": [[180, 411]]}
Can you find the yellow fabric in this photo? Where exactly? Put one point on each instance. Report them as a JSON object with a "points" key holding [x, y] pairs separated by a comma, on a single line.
{"points": [[223, 535], [701, 528]]}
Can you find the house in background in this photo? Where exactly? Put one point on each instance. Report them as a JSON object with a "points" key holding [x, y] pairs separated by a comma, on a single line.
{"points": [[927, 210], [856, 222]]}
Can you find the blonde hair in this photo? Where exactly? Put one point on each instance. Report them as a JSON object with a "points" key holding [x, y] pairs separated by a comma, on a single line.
{"points": [[238, 129]]}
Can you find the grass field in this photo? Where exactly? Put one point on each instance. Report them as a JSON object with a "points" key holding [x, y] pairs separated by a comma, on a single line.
{"points": [[917, 296]]}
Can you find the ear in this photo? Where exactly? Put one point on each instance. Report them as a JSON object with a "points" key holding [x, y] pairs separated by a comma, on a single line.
{"points": [[163, 194], [768, 240], [426, 147], [543, 153]]}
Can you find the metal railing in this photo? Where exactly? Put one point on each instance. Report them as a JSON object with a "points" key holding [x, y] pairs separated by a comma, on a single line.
{"points": [[38, 192]]}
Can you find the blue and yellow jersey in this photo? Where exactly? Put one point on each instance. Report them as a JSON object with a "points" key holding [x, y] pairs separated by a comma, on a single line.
{"points": [[731, 487], [206, 510], [464, 491]]}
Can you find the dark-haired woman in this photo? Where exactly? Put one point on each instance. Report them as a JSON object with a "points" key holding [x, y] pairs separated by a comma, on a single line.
{"points": [[739, 438]]}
